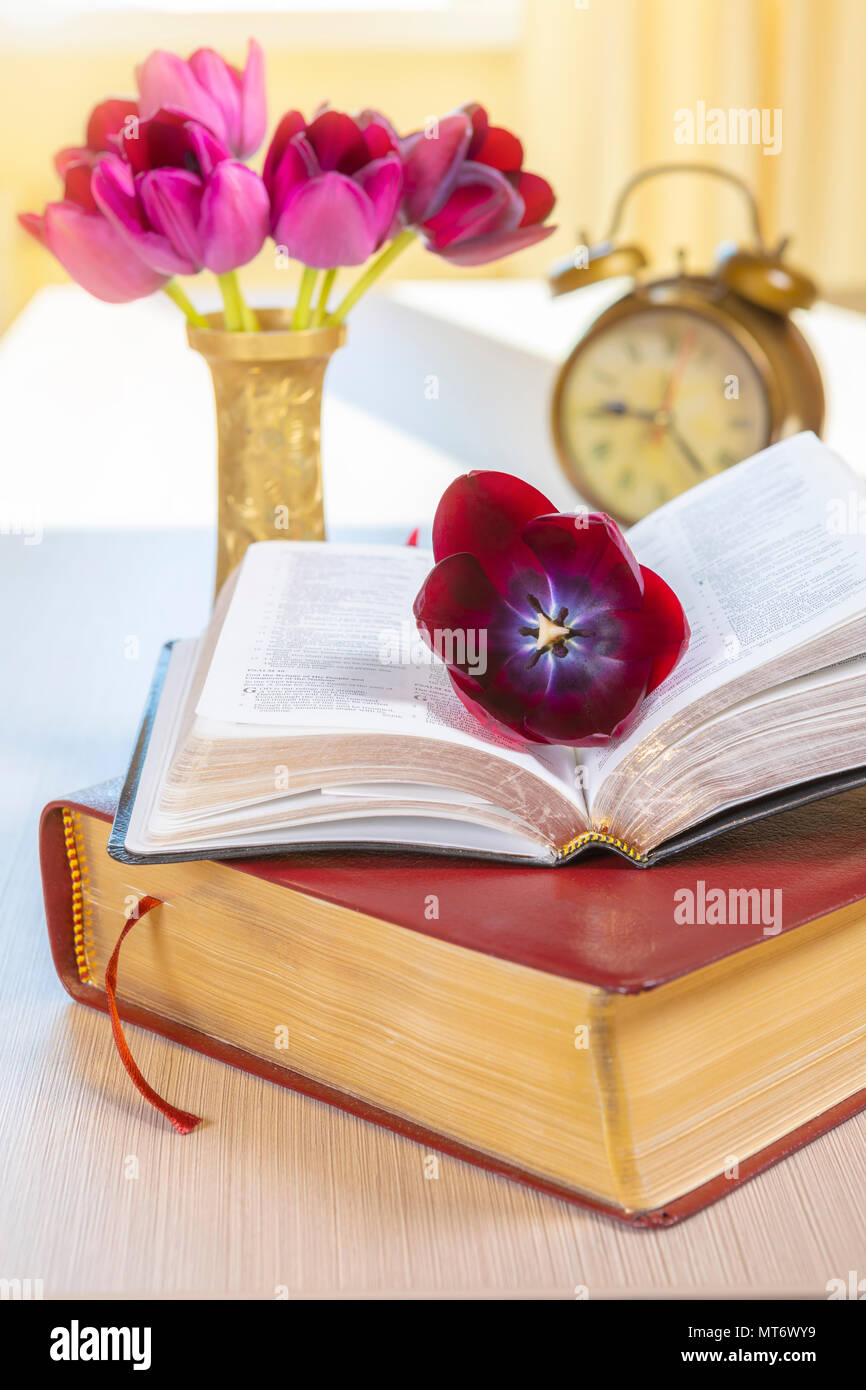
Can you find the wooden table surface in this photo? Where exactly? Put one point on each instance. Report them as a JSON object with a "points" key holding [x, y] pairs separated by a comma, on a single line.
{"points": [[276, 1193]]}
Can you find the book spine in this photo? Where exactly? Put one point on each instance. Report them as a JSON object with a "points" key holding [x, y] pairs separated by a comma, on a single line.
{"points": [[81, 913], [597, 837]]}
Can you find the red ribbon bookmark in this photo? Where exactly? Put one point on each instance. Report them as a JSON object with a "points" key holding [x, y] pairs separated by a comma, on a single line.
{"points": [[182, 1120]]}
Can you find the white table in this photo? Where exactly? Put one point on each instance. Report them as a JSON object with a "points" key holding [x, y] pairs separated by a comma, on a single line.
{"points": [[113, 441]]}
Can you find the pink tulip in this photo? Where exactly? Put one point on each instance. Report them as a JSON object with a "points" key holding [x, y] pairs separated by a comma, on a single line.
{"points": [[334, 185], [104, 127], [431, 163], [208, 89], [468, 192], [87, 245], [178, 201]]}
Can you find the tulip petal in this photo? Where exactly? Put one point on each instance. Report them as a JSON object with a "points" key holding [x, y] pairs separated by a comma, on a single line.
{"points": [[484, 249], [114, 190], [171, 140], [234, 217], [663, 615], [222, 83], [588, 697], [73, 154], [327, 222], [382, 181], [107, 120], [76, 185], [371, 117], [338, 142], [93, 253], [538, 198], [591, 567], [172, 200], [379, 137], [165, 81], [297, 166], [34, 223], [500, 149], [477, 634], [431, 166], [254, 110], [480, 125], [484, 513], [482, 202], [468, 694], [457, 593], [291, 124]]}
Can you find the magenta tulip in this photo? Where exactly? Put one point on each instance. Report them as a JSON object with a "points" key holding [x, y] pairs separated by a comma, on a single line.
{"points": [[179, 202], [87, 245], [208, 89], [334, 185], [576, 632], [468, 193]]}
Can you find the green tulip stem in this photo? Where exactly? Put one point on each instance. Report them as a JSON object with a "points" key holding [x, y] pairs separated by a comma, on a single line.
{"points": [[249, 316], [233, 301], [371, 274], [327, 285], [305, 298], [185, 304]]}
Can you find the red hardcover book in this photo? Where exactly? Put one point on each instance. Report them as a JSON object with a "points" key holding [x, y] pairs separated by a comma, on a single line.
{"points": [[636, 1042]]}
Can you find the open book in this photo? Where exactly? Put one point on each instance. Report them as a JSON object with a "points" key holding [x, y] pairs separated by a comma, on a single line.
{"points": [[310, 713]]}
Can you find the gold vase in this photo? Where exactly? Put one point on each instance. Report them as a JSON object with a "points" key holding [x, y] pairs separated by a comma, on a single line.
{"points": [[268, 390]]}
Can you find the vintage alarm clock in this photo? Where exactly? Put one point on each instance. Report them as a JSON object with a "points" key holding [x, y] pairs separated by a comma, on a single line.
{"points": [[683, 376]]}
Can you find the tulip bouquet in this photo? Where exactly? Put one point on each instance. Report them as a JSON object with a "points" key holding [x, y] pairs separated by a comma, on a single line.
{"points": [[161, 189]]}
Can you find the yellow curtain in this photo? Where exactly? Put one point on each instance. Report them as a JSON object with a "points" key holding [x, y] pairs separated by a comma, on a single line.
{"points": [[603, 83]]}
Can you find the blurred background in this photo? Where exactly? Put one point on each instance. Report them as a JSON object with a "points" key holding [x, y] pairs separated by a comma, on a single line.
{"points": [[593, 87]]}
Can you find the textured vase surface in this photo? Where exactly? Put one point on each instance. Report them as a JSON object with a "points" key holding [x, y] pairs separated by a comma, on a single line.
{"points": [[268, 392]]}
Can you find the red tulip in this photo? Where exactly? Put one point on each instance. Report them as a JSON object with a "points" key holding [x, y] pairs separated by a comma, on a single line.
{"points": [[575, 632], [468, 192], [334, 186], [88, 246], [104, 128], [178, 201], [208, 89]]}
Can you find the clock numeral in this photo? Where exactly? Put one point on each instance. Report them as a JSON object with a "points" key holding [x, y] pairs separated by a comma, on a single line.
{"points": [[725, 459], [600, 449]]}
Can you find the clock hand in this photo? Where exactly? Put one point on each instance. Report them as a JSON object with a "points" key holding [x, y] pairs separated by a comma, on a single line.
{"points": [[686, 449], [624, 409], [687, 342]]}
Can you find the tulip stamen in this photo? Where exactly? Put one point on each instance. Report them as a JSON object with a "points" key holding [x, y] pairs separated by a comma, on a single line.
{"points": [[551, 634]]}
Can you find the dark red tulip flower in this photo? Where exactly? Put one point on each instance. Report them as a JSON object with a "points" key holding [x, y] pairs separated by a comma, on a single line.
{"points": [[574, 632]]}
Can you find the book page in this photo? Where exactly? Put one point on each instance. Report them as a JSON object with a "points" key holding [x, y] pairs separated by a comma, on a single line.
{"points": [[762, 561], [323, 637]]}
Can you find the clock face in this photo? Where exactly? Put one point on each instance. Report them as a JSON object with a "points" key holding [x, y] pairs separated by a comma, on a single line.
{"points": [[654, 402]]}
